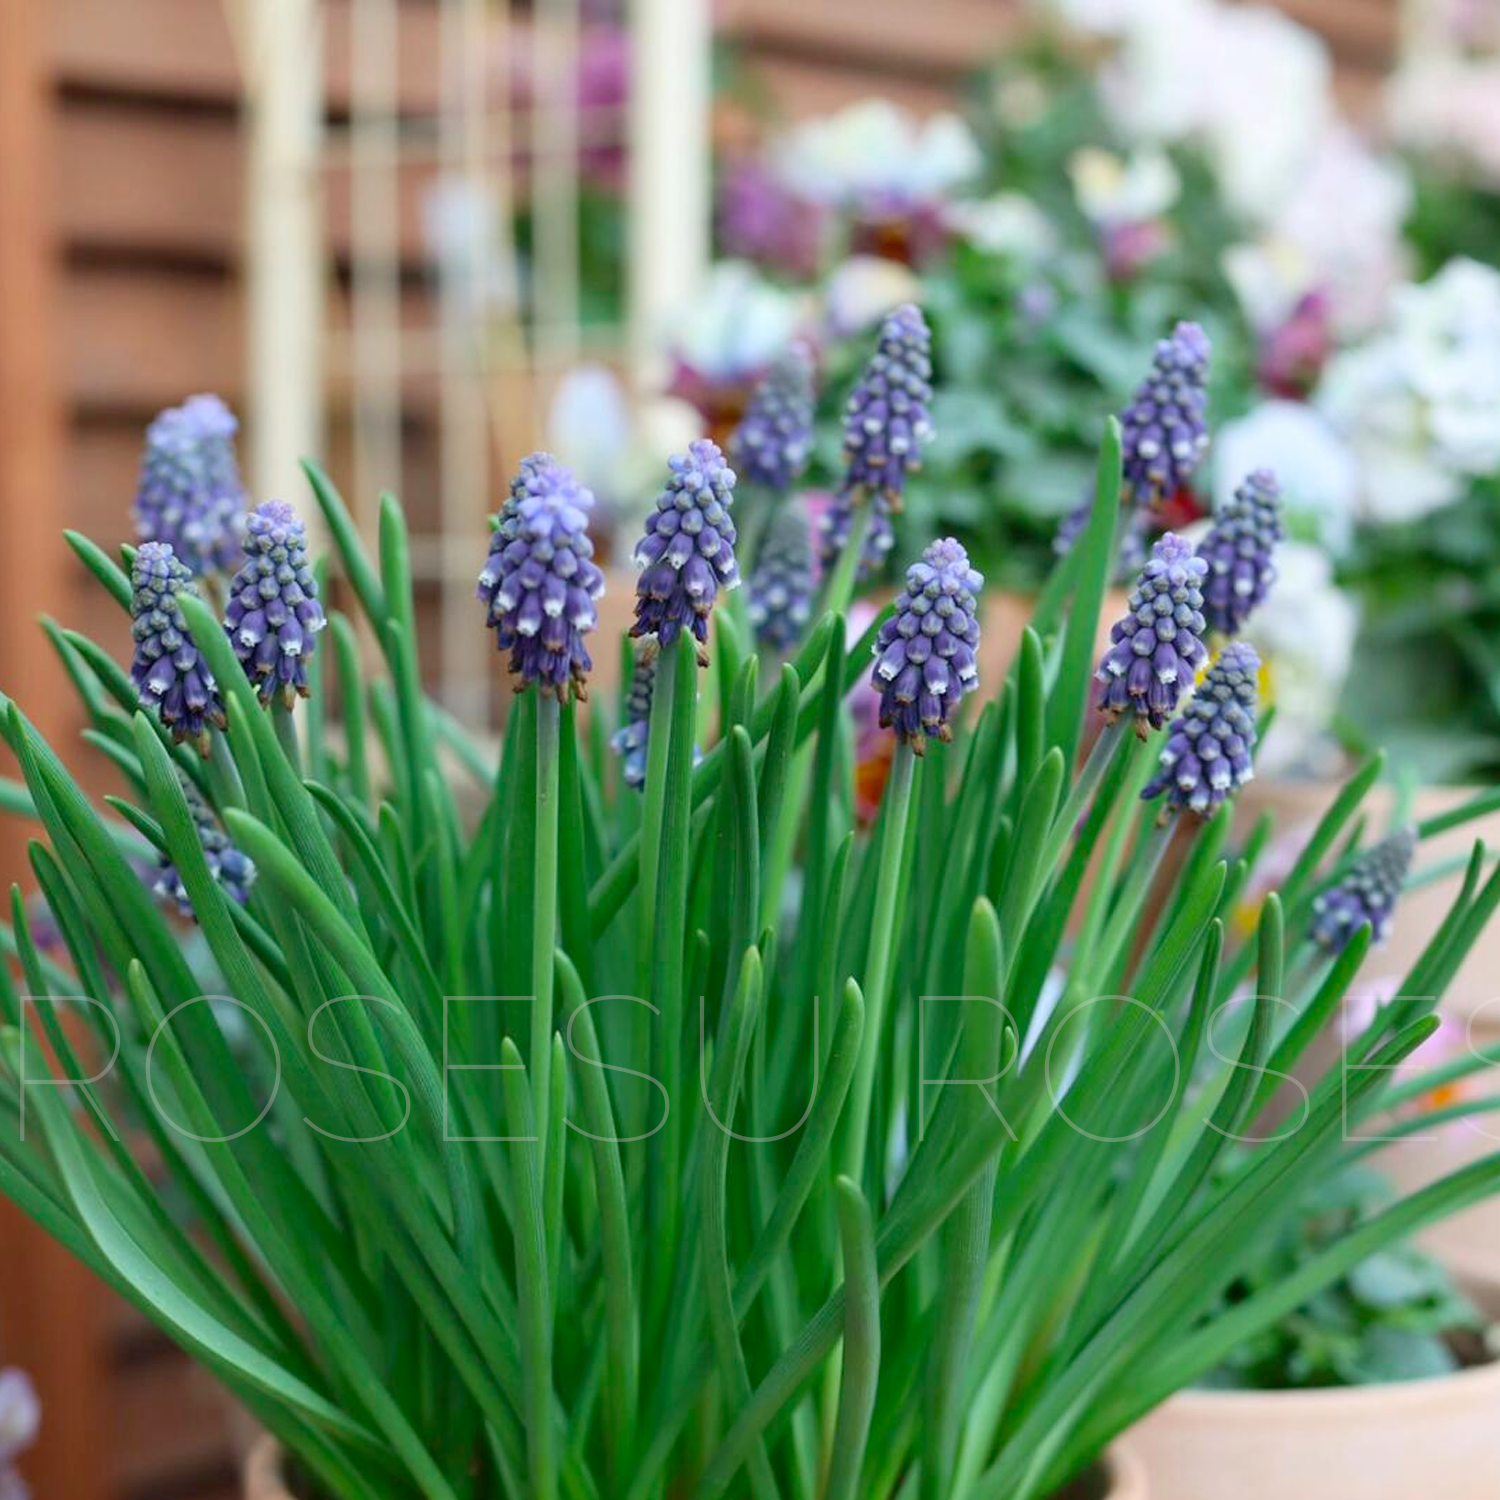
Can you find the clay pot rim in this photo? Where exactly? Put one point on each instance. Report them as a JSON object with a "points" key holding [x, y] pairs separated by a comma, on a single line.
{"points": [[1127, 1474], [1259, 1406]]}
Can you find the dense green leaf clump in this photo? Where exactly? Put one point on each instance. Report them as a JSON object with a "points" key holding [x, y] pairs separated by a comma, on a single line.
{"points": [[828, 1158]]}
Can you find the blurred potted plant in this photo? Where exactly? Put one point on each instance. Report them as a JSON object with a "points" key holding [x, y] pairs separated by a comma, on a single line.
{"points": [[1381, 1385]]}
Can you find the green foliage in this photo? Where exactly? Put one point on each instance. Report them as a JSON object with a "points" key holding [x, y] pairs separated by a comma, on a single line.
{"points": [[1393, 1317], [445, 1247]]}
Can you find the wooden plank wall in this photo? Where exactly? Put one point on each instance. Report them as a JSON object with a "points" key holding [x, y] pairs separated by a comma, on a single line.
{"points": [[120, 172]]}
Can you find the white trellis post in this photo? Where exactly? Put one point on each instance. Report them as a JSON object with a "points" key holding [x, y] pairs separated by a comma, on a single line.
{"points": [[283, 57], [670, 170]]}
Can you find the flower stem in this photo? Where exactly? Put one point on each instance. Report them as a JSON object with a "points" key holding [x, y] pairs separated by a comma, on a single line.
{"points": [[878, 961], [658, 742], [544, 902], [845, 576]]}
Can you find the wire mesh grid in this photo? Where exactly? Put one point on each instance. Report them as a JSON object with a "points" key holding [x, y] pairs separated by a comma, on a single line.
{"points": [[464, 301]]}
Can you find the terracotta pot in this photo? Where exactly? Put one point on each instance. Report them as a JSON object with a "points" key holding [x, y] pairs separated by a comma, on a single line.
{"points": [[263, 1471], [1469, 1243], [1127, 1475], [1403, 1441]]}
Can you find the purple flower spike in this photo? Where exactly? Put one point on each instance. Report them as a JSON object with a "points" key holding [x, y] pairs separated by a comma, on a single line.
{"points": [[886, 419], [1158, 647], [772, 444], [1209, 747], [687, 553], [233, 870], [784, 582], [540, 581], [273, 617], [1367, 893], [1239, 549], [833, 535], [631, 740], [166, 667], [1165, 436], [190, 494], [924, 653]]}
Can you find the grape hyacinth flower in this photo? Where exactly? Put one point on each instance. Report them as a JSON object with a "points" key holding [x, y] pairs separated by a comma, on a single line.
{"points": [[233, 870], [273, 616], [540, 583], [1239, 549], [772, 444], [687, 553], [924, 652], [886, 418], [1157, 647], [630, 739], [784, 581], [1367, 893], [166, 666], [1207, 757], [835, 525], [190, 494], [1163, 429]]}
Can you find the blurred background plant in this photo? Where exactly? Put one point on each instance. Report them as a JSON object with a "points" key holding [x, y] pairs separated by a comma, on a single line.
{"points": [[20, 1419], [1118, 168], [1397, 1315]]}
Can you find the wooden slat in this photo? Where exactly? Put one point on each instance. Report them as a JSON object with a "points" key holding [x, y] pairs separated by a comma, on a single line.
{"points": [[183, 49], [1361, 32], [49, 1317], [147, 179], [169, 1423], [802, 87], [140, 338], [891, 36], [137, 337]]}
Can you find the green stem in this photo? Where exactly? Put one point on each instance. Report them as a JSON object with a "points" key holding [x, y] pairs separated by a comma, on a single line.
{"points": [[892, 858], [1110, 743], [286, 733], [544, 902], [658, 742], [846, 574]]}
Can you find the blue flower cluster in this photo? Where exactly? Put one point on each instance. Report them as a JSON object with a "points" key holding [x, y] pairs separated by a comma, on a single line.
{"points": [[190, 495], [540, 584], [925, 651]]}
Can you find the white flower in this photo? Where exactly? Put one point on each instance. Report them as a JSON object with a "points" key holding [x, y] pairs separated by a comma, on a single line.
{"points": [[738, 325], [461, 228], [1005, 224], [1129, 190], [589, 426], [863, 290], [1420, 402], [1315, 468], [1449, 107], [1343, 218], [614, 451], [1244, 82], [1339, 232], [1305, 633], [875, 150], [20, 1414], [1268, 279]]}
